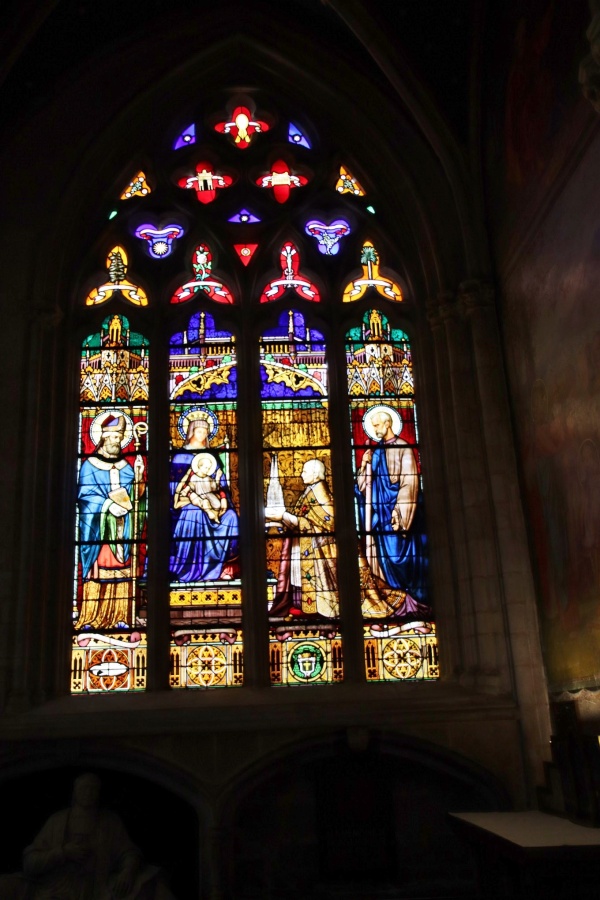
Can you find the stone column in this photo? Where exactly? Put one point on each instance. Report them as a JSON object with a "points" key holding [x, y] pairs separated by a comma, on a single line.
{"points": [[470, 516], [34, 657], [215, 854], [454, 611], [518, 591]]}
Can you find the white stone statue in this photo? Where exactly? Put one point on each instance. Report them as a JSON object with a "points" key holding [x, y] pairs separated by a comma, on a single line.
{"points": [[84, 853]]}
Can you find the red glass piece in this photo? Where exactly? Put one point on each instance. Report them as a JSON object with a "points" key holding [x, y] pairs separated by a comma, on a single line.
{"points": [[245, 252], [242, 127], [281, 180], [205, 280], [291, 278], [206, 182]]}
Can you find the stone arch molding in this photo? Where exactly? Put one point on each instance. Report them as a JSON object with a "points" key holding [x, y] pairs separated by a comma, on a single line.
{"points": [[317, 794], [358, 741]]}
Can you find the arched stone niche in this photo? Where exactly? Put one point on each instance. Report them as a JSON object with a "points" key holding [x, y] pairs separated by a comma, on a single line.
{"points": [[360, 815], [159, 820]]}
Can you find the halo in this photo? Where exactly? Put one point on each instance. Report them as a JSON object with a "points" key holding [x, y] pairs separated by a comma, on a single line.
{"points": [[391, 412], [197, 458], [197, 412], [96, 426]]}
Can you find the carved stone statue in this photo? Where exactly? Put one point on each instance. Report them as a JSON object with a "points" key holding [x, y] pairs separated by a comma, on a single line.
{"points": [[84, 853]]}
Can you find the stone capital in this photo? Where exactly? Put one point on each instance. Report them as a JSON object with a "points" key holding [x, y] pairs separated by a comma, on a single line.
{"points": [[443, 307], [475, 295]]}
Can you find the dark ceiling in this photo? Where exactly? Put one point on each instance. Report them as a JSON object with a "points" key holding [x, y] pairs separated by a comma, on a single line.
{"points": [[44, 41]]}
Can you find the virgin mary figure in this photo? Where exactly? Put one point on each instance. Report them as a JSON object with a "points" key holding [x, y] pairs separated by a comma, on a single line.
{"points": [[206, 527]]}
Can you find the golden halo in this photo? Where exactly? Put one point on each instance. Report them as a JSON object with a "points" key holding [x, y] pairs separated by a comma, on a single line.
{"points": [[96, 426], [198, 459], [381, 408], [198, 412]]}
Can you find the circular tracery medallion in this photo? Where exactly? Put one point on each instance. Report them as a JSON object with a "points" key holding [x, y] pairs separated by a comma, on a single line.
{"points": [[402, 658]]}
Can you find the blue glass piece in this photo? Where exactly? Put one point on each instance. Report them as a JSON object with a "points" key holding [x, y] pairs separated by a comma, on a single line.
{"points": [[201, 328], [159, 240], [187, 136], [291, 329], [295, 136], [328, 236], [244, 216]]}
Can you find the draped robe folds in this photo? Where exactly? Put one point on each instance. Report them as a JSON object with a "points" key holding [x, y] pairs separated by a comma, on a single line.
{"points": [[105, 549], [203, 548], [50, 877], [396, 558], [307, 579]]}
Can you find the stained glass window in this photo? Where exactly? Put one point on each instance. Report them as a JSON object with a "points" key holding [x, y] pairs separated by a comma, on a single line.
{"points": [[371, 278], [118, 284], [302, 589], [205, 590], [226, 264], [399, 632], [110, 606]]}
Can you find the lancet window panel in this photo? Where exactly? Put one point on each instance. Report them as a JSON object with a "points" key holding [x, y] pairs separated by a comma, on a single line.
{"points": [[399, 628], [301, 551], [109, 650], [205, 597]]}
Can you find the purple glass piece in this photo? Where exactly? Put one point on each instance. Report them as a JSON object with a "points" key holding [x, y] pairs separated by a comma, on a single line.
{"points": [[244, 216], [295, 136], [159, 240], [328, 236], [187, 136]]}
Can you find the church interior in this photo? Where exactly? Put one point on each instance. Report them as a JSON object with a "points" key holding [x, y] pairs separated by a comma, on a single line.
{"points": [[459, 242]]}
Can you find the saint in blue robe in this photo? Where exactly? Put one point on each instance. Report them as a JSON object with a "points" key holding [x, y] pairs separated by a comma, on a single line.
{"points": [[96, 522], [400, 555]]}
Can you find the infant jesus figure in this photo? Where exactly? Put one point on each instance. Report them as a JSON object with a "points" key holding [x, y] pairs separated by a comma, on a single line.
{"points": [[200, 487]]}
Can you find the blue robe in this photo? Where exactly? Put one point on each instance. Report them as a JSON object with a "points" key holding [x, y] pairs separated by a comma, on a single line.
{"points": [[201, 547], [401, 555], [96, 522]]}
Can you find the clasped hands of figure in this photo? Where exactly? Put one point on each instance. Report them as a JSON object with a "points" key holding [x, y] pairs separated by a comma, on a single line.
{"points": [[275, 515]]}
